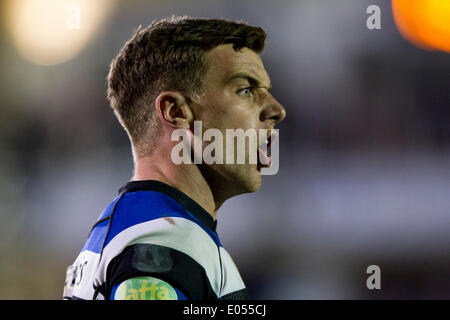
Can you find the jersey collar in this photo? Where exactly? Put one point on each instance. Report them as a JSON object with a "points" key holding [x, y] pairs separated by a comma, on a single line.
{"points": [[190, 205]]}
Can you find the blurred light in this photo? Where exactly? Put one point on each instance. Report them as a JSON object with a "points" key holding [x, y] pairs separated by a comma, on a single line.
{"points": [[425, 23], [49, 32]]}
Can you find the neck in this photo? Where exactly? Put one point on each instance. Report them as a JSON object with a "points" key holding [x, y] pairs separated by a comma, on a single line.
{"points": [[185, 177]]}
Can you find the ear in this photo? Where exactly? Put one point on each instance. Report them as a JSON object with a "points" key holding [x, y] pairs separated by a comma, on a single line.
{"points": [[173, 109]]}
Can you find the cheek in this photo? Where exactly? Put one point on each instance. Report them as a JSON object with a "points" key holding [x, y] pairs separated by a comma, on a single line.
{"points": [[227, 111]]}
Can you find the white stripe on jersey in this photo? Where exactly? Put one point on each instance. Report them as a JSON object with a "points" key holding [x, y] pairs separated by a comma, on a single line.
{"points": [[232, 279], [185, 236]]}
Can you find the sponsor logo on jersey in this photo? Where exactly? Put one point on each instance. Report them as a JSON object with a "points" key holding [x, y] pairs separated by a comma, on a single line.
{"points": [[145, 288]]}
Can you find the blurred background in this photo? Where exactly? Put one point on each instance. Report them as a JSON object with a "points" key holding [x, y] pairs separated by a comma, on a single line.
{"points": [[365, 149]]}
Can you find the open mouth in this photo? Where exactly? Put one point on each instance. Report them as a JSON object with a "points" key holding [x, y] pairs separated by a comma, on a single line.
{"points": [[264, 152]]}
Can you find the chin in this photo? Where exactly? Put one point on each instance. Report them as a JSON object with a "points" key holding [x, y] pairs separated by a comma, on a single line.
{"points": [[243, 179], [252, 180], [253, 187], [234, 180]]}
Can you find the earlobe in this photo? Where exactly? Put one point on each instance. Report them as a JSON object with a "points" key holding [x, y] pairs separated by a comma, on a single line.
{"points": [[173, 109]]}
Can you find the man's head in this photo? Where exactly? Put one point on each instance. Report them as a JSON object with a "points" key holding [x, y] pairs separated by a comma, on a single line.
{"points": [[180, 70], [168, 55]]}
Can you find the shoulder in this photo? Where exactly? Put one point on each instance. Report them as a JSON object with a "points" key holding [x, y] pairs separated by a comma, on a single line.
{"points": [[149, 234], [175, 250]]}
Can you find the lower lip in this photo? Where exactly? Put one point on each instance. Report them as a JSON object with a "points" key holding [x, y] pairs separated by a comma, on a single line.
{"points": [[265, 157]]}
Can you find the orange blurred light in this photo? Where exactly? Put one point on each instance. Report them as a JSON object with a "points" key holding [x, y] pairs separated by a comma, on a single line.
{"points": [[48, 32], [425, 23]]}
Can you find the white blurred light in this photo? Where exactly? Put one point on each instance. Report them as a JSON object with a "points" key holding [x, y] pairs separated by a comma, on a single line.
{"points": [[48, 32]]}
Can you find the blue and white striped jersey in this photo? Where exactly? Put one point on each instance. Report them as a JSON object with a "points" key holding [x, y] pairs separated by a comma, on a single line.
{"points": [[153, 229]]}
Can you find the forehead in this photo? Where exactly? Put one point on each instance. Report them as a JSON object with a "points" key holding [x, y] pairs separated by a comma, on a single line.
{"points": [[225, 62]]}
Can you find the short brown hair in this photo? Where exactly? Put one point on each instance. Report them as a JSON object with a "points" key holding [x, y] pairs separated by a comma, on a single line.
{"points": [[167, 55]]}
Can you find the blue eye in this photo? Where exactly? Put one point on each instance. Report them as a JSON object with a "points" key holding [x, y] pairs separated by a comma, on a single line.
{"points": [[245, 92]]}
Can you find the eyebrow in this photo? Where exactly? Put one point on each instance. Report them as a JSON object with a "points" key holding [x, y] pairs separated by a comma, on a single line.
{"points": [[252, 80]]}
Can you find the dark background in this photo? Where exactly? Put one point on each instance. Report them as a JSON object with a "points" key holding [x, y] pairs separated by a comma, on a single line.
{"points": [[364, 165]]}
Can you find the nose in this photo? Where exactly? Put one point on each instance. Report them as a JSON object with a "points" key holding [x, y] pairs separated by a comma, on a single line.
{"points": [[274, 111]]}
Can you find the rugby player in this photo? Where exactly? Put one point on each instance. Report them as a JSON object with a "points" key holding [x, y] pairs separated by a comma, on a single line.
{"points": [[157, 239]]}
